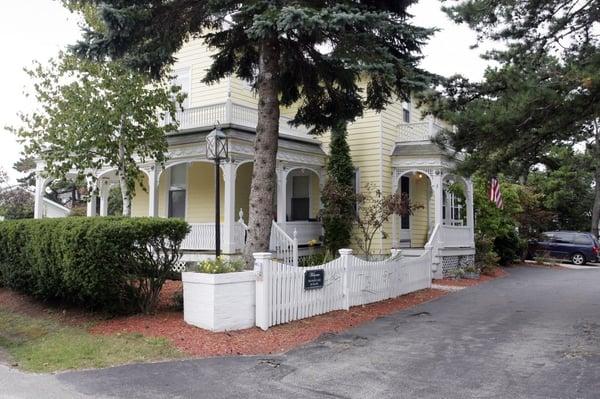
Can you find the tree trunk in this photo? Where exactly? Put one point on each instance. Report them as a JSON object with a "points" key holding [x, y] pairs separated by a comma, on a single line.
{"points": [[125, 193], [596, 208], [596, 159], [265, 153]]}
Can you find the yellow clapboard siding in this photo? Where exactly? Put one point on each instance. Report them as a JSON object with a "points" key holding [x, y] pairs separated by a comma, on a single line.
{"points": [[201, 193], [140, 203]]}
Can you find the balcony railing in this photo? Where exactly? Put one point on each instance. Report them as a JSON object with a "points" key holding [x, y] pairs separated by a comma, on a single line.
{"points": [[419, 131], [230, 113]]}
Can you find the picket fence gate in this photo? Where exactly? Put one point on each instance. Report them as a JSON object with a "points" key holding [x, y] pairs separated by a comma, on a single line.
{"points": [[348, 281]]}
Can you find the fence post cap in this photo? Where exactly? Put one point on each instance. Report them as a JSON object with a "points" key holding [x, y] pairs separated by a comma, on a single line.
{"points": [[262, 255], [396, 252], [345, 251]]}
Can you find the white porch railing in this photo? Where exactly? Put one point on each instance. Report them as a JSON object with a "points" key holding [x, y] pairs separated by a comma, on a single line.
{"points": [[229, 112], [419, 131], [456, 236], [305, 231], [202, 237], [284, 246]]}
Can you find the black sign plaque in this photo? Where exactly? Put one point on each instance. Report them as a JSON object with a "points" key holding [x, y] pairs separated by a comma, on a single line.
{"points": [[314, 279]]}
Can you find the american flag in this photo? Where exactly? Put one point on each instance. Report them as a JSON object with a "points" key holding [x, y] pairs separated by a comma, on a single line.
{"points": [[495, 194]]}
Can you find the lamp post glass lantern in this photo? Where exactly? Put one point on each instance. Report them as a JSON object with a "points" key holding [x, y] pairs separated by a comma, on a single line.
{"points": [[217, 149]]}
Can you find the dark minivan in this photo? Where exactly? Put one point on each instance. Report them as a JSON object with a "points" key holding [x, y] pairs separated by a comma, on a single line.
{"points": [[577, 247]]}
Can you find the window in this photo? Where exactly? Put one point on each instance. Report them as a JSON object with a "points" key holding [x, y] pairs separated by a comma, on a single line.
{"points": [[406, 112], [178, 191], [564, 238], [300, 197], [182, 77], [583, 239], [405, 190]]}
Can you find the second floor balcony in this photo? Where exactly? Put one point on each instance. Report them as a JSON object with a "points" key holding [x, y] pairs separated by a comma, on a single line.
{"points": [[228, 112], [423, 130]]}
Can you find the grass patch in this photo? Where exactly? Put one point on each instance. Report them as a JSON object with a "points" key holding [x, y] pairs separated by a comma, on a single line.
{"points": [[43, 345]]}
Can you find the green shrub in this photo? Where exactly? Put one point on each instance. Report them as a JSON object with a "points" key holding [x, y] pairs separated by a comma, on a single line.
{"points": [[220, 265], [316, 259], [110, 264], [509, 247]]}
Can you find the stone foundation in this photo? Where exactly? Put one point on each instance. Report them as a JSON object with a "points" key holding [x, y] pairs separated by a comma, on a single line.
{"points": [[454, 262]]}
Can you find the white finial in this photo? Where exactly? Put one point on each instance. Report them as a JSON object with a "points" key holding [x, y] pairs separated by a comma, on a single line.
{"points": [[295, 234], [241, 214]]}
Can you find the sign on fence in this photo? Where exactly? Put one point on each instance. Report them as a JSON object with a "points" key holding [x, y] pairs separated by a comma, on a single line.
{"points": [[285, 292], [314, 279]]}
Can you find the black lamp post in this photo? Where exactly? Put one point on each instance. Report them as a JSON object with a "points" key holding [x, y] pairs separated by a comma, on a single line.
{"points": [[217, 149]]}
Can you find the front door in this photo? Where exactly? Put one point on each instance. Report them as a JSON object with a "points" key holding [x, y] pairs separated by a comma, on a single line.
{"points": [[405, 239]]}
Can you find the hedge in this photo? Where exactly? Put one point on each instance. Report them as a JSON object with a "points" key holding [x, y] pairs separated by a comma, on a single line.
{"points": [[104, 263]]}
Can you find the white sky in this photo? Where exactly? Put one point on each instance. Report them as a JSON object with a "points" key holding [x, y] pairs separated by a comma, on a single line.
{"points": [[38, 29]]}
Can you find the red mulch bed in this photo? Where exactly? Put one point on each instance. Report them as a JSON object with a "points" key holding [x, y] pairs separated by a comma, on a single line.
{"points": [[498, 272], [253, 341], [168, 323]]}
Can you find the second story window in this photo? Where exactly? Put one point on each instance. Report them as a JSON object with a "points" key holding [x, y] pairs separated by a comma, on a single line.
{"points": [[182, 77], [406, 112], [178, 191]]}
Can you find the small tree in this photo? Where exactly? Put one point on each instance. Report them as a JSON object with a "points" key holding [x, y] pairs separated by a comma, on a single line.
{"points": [[374, 210], [16, 203], [338, 195], [95, 115]]}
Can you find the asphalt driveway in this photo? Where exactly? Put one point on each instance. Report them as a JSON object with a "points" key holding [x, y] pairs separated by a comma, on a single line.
{"points": [[534, 334]]}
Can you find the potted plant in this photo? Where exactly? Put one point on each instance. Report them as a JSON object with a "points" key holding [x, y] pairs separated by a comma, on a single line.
{"points": [[219, 295]]}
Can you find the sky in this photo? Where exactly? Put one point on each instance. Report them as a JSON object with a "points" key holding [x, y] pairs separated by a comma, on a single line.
{"points": [[39, 29]]}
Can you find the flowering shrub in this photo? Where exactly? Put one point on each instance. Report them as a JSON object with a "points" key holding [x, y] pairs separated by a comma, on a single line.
{"points": [[220, 265]]}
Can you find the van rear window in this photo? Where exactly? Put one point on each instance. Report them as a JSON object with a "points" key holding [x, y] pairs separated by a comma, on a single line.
{"points": [[583, 239]]}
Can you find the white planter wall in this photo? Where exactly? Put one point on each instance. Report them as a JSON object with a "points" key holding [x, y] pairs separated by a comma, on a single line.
{"points": [[219, 302]]}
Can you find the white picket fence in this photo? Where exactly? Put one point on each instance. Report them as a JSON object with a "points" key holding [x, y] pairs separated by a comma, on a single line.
{"points": [[348, 281]]}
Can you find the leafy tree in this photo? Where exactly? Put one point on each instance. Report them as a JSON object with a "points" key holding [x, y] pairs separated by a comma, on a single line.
{"points": [[543, 93], [374, 210], [566, 189], [26, 165], [16, 203], [338, 196], [115, 205], [495, 228], [94, 115], [312, 53], [3, 176]]}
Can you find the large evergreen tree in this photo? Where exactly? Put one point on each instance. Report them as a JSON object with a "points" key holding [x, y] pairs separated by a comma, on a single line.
{"points": [[308, 52], [545, 91], [338, 193]]}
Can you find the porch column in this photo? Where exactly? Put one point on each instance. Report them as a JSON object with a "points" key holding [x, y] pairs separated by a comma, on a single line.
{"points": [[395, 224], [470, 210], [153, 191], [104, 193], [91, 206], [438, 195], [229, 244], [38, 207], [281, 196]]}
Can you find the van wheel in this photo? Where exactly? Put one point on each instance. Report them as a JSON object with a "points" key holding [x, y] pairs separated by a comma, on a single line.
{"points": [[578, 259]]}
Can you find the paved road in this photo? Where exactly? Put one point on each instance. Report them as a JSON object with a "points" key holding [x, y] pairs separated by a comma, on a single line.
{"points": [[534, 334]]}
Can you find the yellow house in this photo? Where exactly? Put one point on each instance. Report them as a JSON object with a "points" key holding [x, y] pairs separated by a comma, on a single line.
{"points": [[391, 151]]}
